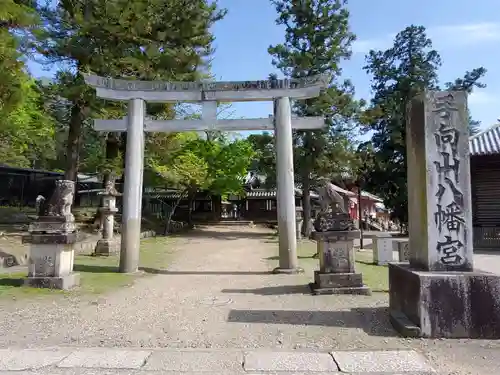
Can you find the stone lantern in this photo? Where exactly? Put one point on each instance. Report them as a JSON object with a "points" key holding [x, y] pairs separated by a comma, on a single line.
{"points": [[108, 244], [299, 219]]}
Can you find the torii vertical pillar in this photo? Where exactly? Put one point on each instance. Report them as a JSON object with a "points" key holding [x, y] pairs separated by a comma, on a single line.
{"points": [[132, 190], [288, 262]]}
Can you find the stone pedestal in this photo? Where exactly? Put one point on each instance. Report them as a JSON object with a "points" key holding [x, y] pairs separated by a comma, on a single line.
{"points": [[444, 304], [402, 247], [336, 273], [438, 294], [51, 259], [382, 250], [51, 241], [108, 244]]}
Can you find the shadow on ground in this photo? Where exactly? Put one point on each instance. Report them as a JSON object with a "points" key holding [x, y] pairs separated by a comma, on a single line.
{"points": [[276, 257], [272, 290], [226, 235], [13, 282], [94, 269], [235, 273], [373, 321]]}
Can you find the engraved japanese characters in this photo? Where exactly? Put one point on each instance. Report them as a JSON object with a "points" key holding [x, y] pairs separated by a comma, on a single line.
{"points": [[449, 213]]}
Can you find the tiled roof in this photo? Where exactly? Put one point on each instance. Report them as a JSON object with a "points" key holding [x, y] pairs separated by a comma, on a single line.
{"points": [[487, 142]]}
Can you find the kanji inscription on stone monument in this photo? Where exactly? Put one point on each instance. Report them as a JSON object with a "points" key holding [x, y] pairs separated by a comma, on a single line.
{"points": [[439, 200]]}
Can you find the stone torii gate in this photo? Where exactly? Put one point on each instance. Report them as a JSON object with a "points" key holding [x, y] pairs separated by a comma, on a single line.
{"points": [[209, 94]]}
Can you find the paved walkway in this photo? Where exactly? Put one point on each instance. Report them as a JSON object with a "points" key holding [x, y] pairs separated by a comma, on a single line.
{"points": [[234, 362], [218, 294]]}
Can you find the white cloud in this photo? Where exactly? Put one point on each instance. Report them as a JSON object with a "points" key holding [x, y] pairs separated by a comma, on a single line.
{"points": [[483, 97], [447, 35]]}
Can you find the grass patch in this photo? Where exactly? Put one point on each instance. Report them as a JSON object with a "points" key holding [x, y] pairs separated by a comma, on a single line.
{"points": [[374, 276], [97, 274]]}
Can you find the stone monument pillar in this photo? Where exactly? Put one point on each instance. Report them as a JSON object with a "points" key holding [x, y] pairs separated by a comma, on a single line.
{"points": [[438, 294], [108, 244], [51, 241], [335, 235]]}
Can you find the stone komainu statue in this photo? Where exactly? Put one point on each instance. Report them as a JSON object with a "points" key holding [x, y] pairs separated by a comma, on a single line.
{"points": [[59, 204], [329, 198], [333, 215]]}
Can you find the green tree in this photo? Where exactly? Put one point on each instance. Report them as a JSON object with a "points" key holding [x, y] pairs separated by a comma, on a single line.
{"points": [[470, 81], [317, 39], [191, 163], [26, 130], [176, 162], [264, 160], [141, 39], [399, 73]]}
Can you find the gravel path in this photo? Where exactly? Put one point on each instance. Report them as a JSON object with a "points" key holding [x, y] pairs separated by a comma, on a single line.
{"points": [[218, 294]]}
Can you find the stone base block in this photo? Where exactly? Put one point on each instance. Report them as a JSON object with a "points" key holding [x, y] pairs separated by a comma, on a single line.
{"points": [[107, 247], [288, 271], [339, 283], [444, 304], [63, 282]]}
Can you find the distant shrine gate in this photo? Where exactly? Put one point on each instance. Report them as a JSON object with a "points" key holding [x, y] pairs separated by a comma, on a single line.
{"points": [[208, 94]]}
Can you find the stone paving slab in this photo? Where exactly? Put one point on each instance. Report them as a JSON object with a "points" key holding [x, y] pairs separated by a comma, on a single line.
{"points": [[395, 361], [106, 358], [259, 361], [27, 359], [191, 360], [87, 361]]}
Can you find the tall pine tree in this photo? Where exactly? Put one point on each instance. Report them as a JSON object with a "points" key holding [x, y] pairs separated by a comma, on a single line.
{"points": [[140, 39], [317, 39], [399, 73]]}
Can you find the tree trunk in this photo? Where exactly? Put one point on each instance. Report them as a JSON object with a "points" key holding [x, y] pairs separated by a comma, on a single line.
{"points": [[74, 142], [191, 197], [171, 213], [217, 207], [123, 149], [306, 204]]}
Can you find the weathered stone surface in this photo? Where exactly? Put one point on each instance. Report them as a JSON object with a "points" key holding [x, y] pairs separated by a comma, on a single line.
{"points": [[393, 362], [53, 226], [439, 197], [337, 280], [445, 304], [107, 247], [47, 260], [382, 250], [336, 254], [336, 273], [59, 204], [289, 361], [50, 238], [63, 282], [361, 290], [187, 360], [27, 359], [404, 250], [106, 359], [267, 84], [336, 235], [333, 221]]}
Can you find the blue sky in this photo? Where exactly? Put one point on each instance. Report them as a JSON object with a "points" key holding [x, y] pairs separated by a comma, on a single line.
{"points": [[466, 34]]}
